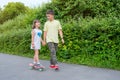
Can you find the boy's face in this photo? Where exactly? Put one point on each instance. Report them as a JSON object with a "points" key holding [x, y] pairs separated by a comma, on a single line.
{"points": [[50, 17]]}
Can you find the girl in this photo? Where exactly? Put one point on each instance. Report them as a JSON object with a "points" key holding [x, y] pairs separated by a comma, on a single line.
{"points": [[36, 41]]}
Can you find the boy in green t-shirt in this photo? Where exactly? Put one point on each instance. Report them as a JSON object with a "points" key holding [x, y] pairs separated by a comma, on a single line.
{"points": [[51, 29]]}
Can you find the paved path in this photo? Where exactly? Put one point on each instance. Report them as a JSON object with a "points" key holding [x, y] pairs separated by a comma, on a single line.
{"points": [[16, 68]]}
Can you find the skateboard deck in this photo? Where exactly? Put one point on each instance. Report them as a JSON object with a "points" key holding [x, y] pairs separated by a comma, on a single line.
{"points": [[36, 67]]}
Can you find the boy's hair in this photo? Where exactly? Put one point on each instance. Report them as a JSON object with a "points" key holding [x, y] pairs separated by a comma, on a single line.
{"points": [[34, 22], [50, 12]]}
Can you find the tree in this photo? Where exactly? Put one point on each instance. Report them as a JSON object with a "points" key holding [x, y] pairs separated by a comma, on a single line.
{"points": [[92, 8], [12, 10], [0, 9]]}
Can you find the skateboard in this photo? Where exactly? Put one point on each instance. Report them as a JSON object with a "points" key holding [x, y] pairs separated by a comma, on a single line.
{"points": [[36, 67]]}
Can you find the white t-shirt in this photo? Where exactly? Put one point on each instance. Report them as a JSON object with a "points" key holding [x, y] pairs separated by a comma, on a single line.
{"points": [[37, 37]]}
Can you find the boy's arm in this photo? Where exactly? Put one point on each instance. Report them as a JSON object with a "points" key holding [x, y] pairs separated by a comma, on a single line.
{"points": [[45, 34], [61, 35], [41, 40]]}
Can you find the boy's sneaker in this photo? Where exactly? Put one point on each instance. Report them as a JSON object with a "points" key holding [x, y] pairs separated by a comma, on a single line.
{"points": [[56, 67], [52, 66]]}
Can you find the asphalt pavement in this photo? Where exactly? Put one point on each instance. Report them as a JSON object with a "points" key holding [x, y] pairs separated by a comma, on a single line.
{"points": [[16, 68]]}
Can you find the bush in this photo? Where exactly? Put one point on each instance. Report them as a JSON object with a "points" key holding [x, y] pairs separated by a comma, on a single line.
{"points": [[91, 40], [87, 39], [14, 24]]}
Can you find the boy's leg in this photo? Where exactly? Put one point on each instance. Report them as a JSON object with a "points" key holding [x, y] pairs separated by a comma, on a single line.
{"points": [[56, 46], [52, 49]]}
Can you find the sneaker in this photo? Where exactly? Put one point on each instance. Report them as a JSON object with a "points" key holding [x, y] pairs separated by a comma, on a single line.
{"points": [[56, 67], [42, 66], [52, 66]]}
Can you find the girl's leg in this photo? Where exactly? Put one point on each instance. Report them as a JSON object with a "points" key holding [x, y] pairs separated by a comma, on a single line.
{"points": [[36, 56]]}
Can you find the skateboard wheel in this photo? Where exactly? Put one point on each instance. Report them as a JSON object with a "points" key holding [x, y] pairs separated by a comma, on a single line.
{"points": [[40, 69], [30, 68]]}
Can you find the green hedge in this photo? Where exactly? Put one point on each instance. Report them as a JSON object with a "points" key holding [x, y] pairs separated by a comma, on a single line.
{"points": [[93, 42]]}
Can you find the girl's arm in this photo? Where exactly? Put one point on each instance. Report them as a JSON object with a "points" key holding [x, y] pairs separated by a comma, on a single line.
{"points": [[32, 39]]}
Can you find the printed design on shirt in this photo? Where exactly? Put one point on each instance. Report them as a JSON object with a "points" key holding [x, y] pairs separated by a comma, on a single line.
{"points": [[39, 34]]}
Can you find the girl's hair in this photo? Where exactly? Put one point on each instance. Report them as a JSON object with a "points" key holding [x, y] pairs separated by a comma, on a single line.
{"points": [[34, 22]]}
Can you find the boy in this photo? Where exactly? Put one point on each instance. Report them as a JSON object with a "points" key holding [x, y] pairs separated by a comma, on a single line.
{"points": [[51, 29]]}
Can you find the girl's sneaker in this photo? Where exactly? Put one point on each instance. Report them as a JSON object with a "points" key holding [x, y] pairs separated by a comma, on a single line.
{"points": [[37, 66], [40, 65]]}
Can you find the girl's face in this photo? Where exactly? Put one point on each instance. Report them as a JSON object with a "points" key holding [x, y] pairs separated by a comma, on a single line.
{"points": [[37, 24]]}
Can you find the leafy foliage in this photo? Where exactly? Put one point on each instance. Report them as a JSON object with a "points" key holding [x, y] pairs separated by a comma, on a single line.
{"points": [[86, 8], [12, 10], [91, 31]]}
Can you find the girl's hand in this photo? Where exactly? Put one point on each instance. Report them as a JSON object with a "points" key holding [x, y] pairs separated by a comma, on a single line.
{"points": [[33, 46], [43, 43]]}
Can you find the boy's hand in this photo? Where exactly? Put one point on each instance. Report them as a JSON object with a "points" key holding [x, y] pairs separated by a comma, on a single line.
{"points": [[63, 41]]}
